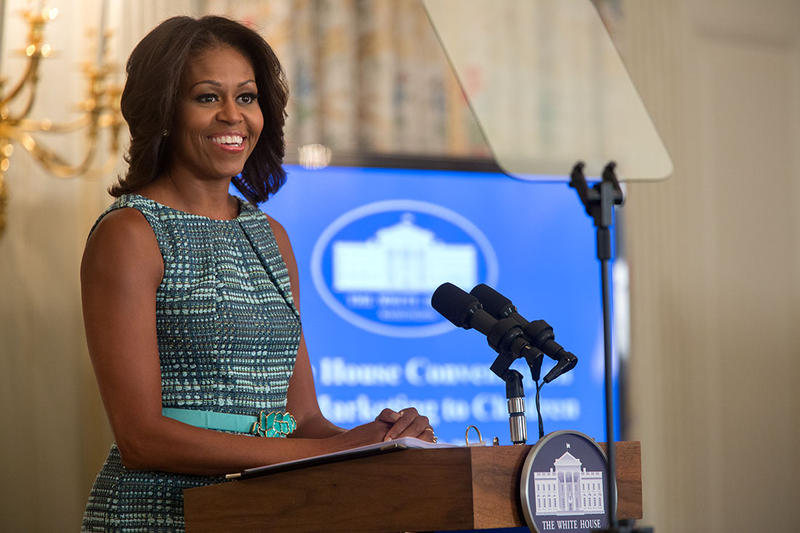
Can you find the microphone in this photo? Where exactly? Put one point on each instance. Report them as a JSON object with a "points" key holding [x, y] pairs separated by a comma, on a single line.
{"points": [[499, 307], [539, 333], [505, 336]]}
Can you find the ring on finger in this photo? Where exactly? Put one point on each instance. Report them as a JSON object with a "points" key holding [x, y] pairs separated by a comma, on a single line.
{"points": [[428, 428]]}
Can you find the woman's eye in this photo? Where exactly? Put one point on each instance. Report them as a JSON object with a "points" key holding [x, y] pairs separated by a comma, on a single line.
{"points": [[248, 98], [206, 98]]}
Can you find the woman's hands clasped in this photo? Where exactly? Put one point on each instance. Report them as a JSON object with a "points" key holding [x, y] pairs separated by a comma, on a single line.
{"points": [[406, 423], [388, 425]]}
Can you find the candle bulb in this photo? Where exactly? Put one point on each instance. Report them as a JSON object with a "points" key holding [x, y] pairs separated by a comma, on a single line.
{"points": [[2, 26], [101, 37]]}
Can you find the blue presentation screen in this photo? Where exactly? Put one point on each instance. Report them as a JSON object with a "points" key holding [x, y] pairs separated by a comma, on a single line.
{"points": [[373, 244]]}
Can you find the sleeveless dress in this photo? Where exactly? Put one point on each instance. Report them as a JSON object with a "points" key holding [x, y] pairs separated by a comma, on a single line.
{"points": [[228, 332]]}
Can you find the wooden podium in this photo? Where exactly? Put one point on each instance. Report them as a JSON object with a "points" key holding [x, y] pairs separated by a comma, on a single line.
{"points": [[408, 490]]}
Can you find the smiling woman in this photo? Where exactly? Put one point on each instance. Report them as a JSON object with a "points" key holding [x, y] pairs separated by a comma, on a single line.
{"points": [[190, 296]]}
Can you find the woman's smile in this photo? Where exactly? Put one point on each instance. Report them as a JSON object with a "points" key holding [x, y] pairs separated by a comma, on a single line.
{"points": [[232, 142]]}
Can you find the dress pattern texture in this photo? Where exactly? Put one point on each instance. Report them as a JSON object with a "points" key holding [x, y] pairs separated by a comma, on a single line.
{"points": [[228, 332]]}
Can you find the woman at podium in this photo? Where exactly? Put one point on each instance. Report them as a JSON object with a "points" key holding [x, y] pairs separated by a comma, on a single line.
{"points": [[190, 295]]}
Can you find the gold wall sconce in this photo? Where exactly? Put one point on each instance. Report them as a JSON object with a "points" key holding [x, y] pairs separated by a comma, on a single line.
{"points": [[99, 110]]}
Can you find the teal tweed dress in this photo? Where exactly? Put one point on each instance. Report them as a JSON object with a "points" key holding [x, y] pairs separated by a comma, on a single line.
{"points": [[228, 331]]}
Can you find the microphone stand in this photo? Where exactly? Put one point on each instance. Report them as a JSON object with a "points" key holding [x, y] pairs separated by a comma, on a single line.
{"points": [[516, 407], [514, 394], [599, 202]]}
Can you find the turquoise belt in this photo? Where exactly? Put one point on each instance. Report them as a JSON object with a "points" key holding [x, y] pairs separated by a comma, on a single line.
{"points": [[273, 424]]}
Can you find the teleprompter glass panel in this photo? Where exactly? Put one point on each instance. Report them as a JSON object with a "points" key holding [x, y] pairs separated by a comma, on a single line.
{"points": [[548, 88]]}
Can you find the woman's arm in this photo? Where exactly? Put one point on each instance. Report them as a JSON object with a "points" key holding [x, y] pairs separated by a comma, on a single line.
{"points": [[301, 399], [120, 273], [302, 396]]}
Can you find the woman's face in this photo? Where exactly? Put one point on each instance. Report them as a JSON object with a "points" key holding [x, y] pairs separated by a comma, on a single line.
{"points": [[218, 117]]}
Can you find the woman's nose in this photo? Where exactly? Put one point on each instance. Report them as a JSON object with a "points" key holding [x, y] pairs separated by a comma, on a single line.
{"points": [[229, 112]]}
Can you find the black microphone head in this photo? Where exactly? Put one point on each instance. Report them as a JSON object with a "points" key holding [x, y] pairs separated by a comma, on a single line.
{"points": [[454, 304], [493, 302], [565, 364]]}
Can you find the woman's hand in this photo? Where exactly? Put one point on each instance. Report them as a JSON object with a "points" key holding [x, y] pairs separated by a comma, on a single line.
{"points": [[406, 423], [362, 435], [387, 426]]}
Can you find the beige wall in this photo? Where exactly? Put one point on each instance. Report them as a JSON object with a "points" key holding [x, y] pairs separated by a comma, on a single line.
{"points": [[714, 255], [715, 286]]}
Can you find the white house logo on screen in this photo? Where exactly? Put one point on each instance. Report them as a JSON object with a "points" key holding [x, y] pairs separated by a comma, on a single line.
{"points": [[377, 265]]}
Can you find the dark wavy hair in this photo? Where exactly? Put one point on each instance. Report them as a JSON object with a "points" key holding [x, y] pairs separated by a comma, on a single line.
{"points": [[155, 69]]}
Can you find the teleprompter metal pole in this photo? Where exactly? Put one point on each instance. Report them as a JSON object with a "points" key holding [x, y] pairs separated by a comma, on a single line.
{"points": [[599, 202]]}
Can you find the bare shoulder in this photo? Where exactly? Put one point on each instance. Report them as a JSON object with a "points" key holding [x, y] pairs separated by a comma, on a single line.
{"points": [[277, 229], [282, 238], [123, 243], [285, 248]]}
